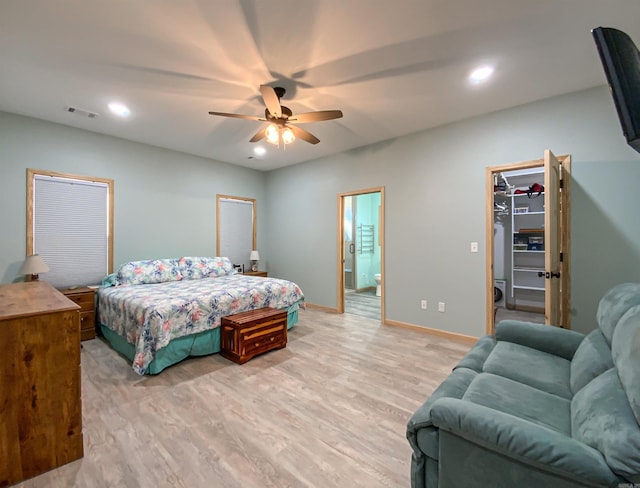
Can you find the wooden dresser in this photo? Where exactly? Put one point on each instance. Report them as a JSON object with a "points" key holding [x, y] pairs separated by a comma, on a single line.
{"points": [[40, 390], [85, 297]]}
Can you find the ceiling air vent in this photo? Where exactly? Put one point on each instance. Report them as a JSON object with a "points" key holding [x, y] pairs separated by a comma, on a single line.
{"points": [[81, 112]]}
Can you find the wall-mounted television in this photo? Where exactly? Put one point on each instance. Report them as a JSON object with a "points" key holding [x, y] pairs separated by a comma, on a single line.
{"points": [[621, 62]]}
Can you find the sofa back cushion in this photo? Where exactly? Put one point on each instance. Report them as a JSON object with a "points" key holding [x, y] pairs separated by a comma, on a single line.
{"points": [[592, 358], [626, 357], [614, 305], [148, 271], [195, 268], [601, 417]]}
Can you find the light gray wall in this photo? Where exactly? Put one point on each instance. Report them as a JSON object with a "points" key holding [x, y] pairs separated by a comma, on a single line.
{"points": [[165, 201], [435, 206], [434, 190]]}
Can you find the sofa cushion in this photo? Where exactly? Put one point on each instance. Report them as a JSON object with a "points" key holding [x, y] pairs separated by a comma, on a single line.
{"points": [[519, 400], [626, 356], [478, 354], [148, 271], [535, 368], [602, 418], [546, 338], [592, 358], [614, 304]]}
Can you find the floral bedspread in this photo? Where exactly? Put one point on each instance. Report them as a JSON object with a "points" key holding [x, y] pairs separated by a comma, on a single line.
{"points": [[149, 316]]}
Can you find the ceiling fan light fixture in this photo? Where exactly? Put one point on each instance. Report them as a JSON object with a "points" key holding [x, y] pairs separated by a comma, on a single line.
{"points": [[273, 134], [287, 136]]}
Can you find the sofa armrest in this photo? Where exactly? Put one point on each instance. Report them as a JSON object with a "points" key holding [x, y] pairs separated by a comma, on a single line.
{"points": [[546, 338], [454, 386], [522, 441]]}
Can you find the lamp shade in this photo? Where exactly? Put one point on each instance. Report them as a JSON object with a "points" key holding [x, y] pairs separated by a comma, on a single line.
{"points": [[254, 256], [33, 265]]}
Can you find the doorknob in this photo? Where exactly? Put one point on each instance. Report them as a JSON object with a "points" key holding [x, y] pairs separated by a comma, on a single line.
{"points": [[548, 275]]}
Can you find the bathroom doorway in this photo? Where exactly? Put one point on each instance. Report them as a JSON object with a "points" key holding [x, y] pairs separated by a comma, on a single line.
{"points": [[361, 251]]}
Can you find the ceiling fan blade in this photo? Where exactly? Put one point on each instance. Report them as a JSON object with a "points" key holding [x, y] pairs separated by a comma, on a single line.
{"points": [[316, 116], [271, 100], [239, 116], [261, 134], [303, 134]]}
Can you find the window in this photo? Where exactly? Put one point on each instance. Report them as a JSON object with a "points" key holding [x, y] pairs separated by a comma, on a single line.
{"points": [[70, 224], [236, 228]]}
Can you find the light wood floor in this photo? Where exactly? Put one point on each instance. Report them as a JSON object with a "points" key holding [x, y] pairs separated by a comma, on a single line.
{"points": [[505, 314], [330, 410], [363, 303]]}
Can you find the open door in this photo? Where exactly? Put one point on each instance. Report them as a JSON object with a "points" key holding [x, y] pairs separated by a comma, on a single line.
{"points": [[552, 238], [552, 274]]}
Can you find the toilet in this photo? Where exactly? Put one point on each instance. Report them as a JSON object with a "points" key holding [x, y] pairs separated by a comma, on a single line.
{"points": [[378, 278]]}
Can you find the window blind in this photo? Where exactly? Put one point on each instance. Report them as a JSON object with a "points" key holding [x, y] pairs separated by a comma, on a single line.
{"points": [[236, 230], [70, 230]]}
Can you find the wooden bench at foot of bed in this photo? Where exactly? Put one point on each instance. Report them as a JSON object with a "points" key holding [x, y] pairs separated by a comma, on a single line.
{"points": [[247, 334]]}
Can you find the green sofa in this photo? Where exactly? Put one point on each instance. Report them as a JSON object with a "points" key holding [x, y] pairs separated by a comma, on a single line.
{"points": [[538, 406]]}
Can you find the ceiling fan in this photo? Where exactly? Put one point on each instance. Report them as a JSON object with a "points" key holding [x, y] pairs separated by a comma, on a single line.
{"points": [[281, 119]]}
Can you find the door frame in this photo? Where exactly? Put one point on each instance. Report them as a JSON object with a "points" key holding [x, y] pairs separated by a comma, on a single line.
{"points": [[340, 246], [565, 236]]}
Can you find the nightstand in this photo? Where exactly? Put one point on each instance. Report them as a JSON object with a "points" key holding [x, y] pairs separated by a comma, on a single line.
{"points": [[256, 273], [85, 297]]}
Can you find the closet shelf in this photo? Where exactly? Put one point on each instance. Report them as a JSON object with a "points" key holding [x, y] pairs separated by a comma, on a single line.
{"points": [[534, 288]]}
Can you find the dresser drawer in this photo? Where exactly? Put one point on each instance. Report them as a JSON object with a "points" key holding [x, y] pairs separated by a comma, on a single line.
{"points": [[85, 300], [87, 325], [265, 339]]}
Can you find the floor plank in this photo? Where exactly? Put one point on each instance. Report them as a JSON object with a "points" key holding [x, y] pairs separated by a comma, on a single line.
{"points": [[328, 410], [363, 303]]}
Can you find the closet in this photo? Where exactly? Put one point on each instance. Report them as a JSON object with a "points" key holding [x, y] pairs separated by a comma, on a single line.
{"points": [[528, 240], [519, 225]]}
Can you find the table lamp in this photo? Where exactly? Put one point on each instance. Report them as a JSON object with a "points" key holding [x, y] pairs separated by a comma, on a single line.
{"points": [[33, 265], [254, 258]]}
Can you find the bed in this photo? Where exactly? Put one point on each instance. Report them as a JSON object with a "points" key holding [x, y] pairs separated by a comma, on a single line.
{"points": [[158, 312]]}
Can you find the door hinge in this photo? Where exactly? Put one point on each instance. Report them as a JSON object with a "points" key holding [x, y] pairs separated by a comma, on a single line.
{"points": [[561, 184], [561, 257]]}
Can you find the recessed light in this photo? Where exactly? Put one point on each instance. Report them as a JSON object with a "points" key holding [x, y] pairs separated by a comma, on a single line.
{"points": [[120, 109], [259, 150], [481, 74]]}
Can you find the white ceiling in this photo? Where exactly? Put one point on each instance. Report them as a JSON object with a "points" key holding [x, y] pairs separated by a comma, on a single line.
{"points": [[393, 67]]}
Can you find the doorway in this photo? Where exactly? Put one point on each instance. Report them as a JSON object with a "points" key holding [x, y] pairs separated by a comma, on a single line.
{"points": [[527, 233], [361, 251]]}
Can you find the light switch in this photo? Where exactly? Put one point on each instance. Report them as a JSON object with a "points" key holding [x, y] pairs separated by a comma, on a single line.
{"points": [[474, 247]]}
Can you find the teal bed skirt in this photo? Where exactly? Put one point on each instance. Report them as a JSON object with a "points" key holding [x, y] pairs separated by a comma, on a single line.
{"points": [[201, 344]]}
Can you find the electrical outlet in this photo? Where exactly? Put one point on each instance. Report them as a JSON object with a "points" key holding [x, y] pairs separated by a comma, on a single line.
{"points": [[423, 304], [441, 307], [474, 247]]}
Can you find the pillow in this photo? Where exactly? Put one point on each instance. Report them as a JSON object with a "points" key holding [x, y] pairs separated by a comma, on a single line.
{"points": [[195, 268], [148, 271], [109, 280]]}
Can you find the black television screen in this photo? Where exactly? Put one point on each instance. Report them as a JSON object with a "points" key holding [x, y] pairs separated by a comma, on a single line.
{"points": [[621, 62]]}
